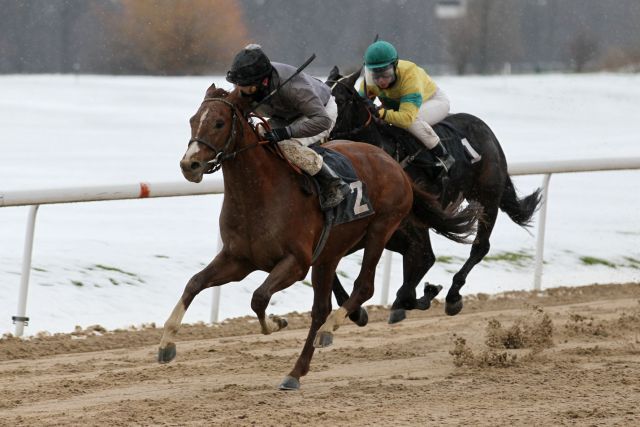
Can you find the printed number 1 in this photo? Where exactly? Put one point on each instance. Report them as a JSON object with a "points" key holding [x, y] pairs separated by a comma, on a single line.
{"points": [[358, 208]]}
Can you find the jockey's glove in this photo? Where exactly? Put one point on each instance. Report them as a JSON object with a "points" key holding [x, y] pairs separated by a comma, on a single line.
{"points": [[277, 135]]}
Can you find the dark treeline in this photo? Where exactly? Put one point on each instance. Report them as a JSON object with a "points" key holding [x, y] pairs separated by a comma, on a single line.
{"points": [[200, 36]]}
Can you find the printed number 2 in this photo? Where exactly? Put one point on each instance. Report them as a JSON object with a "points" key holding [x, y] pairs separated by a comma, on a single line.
{"points": [[358, 208]]}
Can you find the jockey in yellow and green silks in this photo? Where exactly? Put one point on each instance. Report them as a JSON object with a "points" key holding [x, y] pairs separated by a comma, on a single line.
{"points": [[409, 96]]}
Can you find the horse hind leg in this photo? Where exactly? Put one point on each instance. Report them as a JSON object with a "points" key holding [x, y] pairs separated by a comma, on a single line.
{"points": [[223, 269], [321, 278], [283, 275], [360, 316], [376, 238], [479, 248]]}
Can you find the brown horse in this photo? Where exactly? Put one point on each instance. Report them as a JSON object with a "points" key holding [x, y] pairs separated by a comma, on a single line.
{"points": [[268, 223]]}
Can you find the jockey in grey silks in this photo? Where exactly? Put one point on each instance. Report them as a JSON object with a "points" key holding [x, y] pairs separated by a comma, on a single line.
{"points": [[301, 112]]}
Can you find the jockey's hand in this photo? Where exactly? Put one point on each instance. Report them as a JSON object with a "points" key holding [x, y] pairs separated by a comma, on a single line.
{"points": [[277, 135]]}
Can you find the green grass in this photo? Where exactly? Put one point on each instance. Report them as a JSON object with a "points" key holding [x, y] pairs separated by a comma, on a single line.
{"points": [[632, 262], [77, 283], [117, 270], [519, 259], [589, 260]]}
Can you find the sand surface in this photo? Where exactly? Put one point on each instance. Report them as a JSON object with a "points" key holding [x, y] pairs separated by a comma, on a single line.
{"points": [[566, 356]]}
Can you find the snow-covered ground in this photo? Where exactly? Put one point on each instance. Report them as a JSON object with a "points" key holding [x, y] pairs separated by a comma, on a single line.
{"points": [[122, 263]]}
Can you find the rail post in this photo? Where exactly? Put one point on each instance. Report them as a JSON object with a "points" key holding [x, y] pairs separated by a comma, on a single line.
{"points": [[21, 319]]}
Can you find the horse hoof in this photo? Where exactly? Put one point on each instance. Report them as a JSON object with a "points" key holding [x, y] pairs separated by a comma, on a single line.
{"points": [[167, 354], [397, 315], [431, 291], [453, 308], [323, 339], [360, 317], [423, 303], [281, 322], [289, 383]]}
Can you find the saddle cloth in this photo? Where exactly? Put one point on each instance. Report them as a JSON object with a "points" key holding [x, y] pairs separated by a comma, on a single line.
{"points": [[356, 204]]}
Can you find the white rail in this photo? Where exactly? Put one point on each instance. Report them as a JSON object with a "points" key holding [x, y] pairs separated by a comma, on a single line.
{"points": [[34, 198]]}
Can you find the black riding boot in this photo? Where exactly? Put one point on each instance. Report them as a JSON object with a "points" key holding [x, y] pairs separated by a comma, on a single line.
{"points": [[333, 188], [443, 156]]}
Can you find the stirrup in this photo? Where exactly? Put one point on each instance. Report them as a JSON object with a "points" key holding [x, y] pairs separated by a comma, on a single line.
{"points": [[335, 197], [446, 162]]}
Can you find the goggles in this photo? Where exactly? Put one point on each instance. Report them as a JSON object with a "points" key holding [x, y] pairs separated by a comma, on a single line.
{"points": [[387, 73]]}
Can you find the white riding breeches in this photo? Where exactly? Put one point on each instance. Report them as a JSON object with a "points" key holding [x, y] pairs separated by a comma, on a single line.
{"points": [[431, 112], [297, 150]]}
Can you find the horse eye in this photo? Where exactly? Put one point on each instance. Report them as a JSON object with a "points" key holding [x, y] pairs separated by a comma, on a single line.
{"points": [[219, 124]]}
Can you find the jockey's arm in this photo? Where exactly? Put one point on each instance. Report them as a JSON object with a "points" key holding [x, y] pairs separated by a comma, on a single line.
{"points": [[310, 105]]}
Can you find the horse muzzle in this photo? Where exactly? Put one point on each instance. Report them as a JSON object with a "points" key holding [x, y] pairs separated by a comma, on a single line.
{"points": [[193, 170]]}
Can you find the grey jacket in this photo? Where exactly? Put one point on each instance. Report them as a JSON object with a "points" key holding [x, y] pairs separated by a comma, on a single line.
{"points": [[302, 96]]}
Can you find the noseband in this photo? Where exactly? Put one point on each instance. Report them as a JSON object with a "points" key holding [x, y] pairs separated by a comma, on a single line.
{"points": [[222, 155]]}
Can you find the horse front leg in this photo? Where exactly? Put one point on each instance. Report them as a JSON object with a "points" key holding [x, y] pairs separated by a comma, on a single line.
{"points": [[223, 269], [321, 277], [417, 259], [479, 249], [284, 274]]}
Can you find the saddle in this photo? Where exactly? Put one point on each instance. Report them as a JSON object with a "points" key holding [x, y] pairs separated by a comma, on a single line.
{"points": [[408, 151]]}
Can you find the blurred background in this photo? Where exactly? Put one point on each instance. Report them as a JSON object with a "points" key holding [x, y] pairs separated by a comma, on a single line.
{"points": [[200, 37]]}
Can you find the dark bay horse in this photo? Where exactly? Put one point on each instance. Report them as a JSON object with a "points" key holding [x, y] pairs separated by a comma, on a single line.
{"points": [[268, 223], [486, 182]]}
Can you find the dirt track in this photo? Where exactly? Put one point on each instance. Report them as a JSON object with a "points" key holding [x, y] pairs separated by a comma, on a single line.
{"points": [[576, 361]]}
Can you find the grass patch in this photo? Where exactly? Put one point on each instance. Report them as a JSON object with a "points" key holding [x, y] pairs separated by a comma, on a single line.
{"points": [[448, 259], [342, 274], [589, 260], [77, 283], [161, 256], [519, 259], [307, 283], [632, 262], [114, 281], [42, 270], [117, 270]]}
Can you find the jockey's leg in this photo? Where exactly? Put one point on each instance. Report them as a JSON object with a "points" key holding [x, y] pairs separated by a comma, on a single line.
{"points": [[334, 189], [431, 112]]}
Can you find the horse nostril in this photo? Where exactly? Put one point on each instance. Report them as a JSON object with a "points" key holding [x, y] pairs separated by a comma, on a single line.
{"points": [[195, 165]]}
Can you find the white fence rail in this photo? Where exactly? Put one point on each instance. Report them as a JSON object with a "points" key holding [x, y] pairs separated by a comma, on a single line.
{"points": [[34, 198]]}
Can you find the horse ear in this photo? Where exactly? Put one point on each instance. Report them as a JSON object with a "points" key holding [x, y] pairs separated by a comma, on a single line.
{"points": [[353, 77], [334, 74], [210, 91]]}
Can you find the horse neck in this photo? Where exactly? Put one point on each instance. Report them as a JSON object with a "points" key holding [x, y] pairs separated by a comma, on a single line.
{"points": [[250, 177]]}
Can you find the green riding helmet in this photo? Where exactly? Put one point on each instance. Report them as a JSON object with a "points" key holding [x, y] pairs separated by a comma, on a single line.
{"points": [[380, 54]]}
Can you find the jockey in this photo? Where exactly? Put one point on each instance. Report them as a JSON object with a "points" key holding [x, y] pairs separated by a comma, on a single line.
{"points": [[300, 113], [410, 98]]}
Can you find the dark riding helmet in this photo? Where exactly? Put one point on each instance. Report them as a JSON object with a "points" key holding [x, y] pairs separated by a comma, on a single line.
{"points": [[250, 66]]}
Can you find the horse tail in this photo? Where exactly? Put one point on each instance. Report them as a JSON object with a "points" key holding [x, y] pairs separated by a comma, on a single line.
{"points": [[451, 222], [519, 210]]}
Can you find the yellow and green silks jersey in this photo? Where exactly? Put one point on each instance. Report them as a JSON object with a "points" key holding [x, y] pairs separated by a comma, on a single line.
{"points": [[403, 99]]}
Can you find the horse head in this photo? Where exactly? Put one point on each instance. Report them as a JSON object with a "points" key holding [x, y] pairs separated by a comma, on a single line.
{"points": [[357, 116], [214, 133]]}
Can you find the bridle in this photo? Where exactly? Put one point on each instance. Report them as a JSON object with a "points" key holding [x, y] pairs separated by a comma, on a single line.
{"points": [[357, 130], [222, 155]]}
